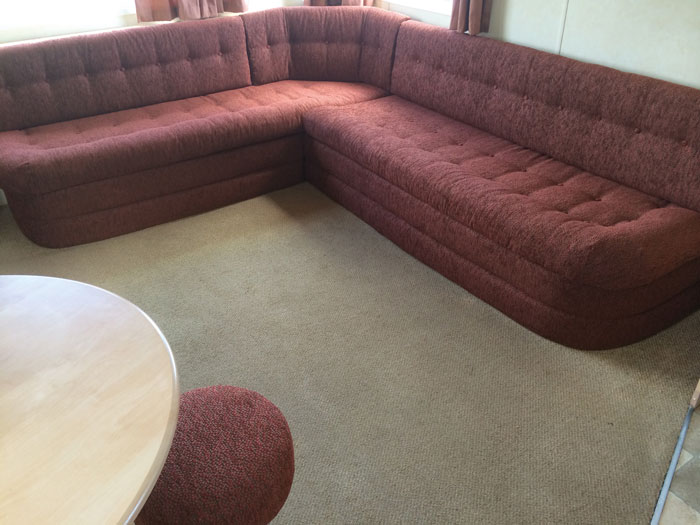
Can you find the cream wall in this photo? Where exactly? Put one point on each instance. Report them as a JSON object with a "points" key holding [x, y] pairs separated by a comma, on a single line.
{"points": [[658, 39]]}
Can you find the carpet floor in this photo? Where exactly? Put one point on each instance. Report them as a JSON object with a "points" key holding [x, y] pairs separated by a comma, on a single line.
{"points": [[409, 400]]}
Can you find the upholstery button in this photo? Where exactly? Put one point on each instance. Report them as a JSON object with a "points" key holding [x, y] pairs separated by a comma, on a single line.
{"points": [[637, 130], [561, 108], [122, 69], [684, 142], [524, 97]]}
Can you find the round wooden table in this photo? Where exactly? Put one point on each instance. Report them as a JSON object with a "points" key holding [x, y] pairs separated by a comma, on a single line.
{"points": [[88, 403]]}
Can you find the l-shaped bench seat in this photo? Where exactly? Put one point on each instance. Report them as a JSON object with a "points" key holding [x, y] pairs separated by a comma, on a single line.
{"points": [[567, 195], [96, 177], [559, 249], [106, 134]]}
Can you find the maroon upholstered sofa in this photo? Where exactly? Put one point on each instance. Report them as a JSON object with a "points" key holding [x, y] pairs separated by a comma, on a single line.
{"points": [[565, 194], [109, 133]]}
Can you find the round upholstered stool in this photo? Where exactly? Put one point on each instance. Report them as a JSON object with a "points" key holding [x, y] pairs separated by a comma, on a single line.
{"points": [[231, 461]]}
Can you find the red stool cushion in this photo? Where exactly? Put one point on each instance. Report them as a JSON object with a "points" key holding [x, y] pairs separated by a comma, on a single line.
{"points": [[231, 461]]}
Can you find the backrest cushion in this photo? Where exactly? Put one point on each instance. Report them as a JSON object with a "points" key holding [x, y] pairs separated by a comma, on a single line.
{"points": [[269, 49], [638, 131], [322, 43], [86, 75], [379, 34], [326, 43]]}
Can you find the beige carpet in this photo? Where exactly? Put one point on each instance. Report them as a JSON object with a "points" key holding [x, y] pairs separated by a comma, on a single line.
{"points": [[410, 401]]}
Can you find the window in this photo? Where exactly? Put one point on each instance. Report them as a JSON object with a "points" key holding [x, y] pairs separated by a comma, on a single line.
{"points": [[41, 18], [443, 7]]}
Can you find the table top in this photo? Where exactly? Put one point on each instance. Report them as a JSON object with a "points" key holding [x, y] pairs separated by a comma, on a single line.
{"points": [[88, 403]]}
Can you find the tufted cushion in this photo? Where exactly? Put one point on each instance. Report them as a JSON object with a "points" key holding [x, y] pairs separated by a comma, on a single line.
{"points": [[587, 229], [640, 132], [378, 43], [49, 158], [231, 461], [564, 311], [86, 75], [324, 43]]}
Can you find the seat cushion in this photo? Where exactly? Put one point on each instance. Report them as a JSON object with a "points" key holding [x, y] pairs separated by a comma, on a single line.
{"points": [[582, 227], [56, 156]]}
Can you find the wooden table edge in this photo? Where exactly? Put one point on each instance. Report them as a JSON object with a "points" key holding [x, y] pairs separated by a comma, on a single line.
{"points": [[153, 474]]}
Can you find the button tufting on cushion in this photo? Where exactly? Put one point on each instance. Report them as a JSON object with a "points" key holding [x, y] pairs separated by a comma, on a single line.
{"points": [[231, 461], [105, 149], [557, 204]]}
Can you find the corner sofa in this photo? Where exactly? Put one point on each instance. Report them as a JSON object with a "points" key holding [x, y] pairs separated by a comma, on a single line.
{"points": [[565, 194]]}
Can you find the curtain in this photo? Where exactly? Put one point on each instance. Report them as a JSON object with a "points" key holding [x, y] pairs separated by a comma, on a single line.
{"points": [[471, 15], [157, 10], [339, 2]]}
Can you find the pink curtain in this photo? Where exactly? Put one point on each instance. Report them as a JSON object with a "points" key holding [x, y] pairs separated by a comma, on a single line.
{"points": [[158, 10], [339, 2], [470, 15]]}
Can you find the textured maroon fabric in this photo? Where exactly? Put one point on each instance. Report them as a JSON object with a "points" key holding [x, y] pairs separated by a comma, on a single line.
{"points": [[269, 49], [122, 190], [231, 461], [110, 222], [542, 284], [587, 251], [583, 227], [574, 331], [56, 156], [638, 131], [75, 77], [379, 34], [325, 43]]}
